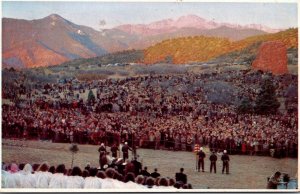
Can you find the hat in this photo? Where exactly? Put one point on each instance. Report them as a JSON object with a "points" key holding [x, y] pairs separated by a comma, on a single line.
{"points": [[125, 143], [225, 151], [201, 148]]}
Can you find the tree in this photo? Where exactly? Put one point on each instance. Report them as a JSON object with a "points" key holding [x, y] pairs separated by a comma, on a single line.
{"points": [[266, 101], [245, 106], [74, 149], [91, 97]]}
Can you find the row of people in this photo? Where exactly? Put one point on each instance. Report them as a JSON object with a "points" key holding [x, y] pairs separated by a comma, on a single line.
{"points": [[44, 176]]}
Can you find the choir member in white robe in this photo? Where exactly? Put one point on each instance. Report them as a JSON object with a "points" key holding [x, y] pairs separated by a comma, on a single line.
{"points": [[27, 178], [92, 182], [42, 176], [59, 180], [75, 181], [13, 177]]}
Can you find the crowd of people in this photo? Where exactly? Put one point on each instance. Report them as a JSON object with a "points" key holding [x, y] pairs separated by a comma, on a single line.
{"points": [[172, 112], [117, 175]]}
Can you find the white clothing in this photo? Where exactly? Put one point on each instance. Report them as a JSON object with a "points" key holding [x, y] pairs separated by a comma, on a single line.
{"points": [[58, 180], [74, 182], [28, 180], [92, 183], [42, 179], [12, 180]]}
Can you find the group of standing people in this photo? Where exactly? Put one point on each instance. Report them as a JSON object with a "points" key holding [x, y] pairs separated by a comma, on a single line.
{"points": [[213, 160]]}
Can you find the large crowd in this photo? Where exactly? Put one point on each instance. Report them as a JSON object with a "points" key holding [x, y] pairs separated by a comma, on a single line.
{"points": [[157, 111]]}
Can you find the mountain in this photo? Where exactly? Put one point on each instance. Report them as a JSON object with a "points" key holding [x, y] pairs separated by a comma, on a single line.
{"points": [[53, 40], [203, 48], [189, 21]]}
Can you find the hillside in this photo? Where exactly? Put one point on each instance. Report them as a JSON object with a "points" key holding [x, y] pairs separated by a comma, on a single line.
{"points": [[53, 40], [201, 48]]}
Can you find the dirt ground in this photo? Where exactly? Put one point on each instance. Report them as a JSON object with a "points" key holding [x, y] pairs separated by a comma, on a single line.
{"points": [[246, 172]]}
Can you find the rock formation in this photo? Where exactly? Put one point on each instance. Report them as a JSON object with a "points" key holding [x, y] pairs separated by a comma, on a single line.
{"points": [[272, 57]]}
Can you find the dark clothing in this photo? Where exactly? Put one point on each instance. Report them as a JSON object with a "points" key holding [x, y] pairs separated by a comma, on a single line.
{"points": [[145, 173], [114, 151], [272, 183], [201, 155], [181, 177], [102, 152], [125, 150], [137, 167], [155, 174], [213, 159], [225, 159]]}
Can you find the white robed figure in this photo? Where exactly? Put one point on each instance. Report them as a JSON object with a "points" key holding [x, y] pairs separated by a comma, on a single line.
{"points": [[28, 179], [59, 180]]}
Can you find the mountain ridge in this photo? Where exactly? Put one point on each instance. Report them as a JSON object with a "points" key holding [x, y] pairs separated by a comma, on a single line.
{"points": [[53, 39]]}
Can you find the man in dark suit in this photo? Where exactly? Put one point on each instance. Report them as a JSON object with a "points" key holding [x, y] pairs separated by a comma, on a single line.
{"points": [[225, 159], [181, 177], [201, 155], [137, 166], [213, 159], [145, 172], [125, 150], [114, 150], [155, 174]]}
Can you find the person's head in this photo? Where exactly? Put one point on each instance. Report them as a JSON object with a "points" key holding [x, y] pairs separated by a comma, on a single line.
{"points": [[28, 168], [157, 181], [21, 166], [120, 177], [61, 168], [129, 177], [101, 175], [163, 182], [14, 168], [177, 185], [140, 179], [150, 182], [277, 174], [225, 151], [201, 149], [110, 173], [155, 169], [185, 186], [145, 168], [93, 172], [85, 174], [171, 181], [35, 167], [52, 169], [181, 169], [44, 167], [76, 171], [190, 186]]}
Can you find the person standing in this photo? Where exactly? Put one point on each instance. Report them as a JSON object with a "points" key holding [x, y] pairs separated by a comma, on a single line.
{"points": [[114, 150], [225, 159], [213, 159], [201, 155], [102, 152], [125, 150]]}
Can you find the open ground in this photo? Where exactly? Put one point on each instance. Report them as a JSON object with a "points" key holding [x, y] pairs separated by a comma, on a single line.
{"points": [[246, 172]]}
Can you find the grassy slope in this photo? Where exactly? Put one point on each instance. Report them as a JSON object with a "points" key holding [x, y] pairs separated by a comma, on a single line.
{"points": [[201, 48]]}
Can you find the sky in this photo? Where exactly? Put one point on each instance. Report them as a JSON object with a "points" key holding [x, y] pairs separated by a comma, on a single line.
{"points": [[274, 15]]}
